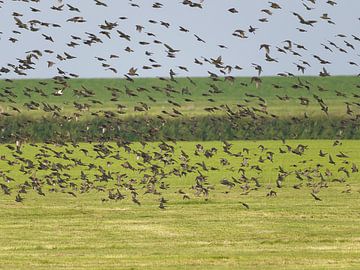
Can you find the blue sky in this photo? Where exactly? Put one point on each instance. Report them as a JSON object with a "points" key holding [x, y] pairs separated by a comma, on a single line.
{"points": [[213, 23]]}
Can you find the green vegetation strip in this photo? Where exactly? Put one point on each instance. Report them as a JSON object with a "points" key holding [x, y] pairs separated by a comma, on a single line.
{"points": [[199, 128]]}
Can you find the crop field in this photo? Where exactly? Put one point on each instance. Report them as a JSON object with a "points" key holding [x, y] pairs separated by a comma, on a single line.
{"points": [[215, 205]]}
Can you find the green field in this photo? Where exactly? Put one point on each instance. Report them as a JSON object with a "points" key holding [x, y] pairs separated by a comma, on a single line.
{"points": [[101, 95], [187, 109], [228, 228], [93, 186]]}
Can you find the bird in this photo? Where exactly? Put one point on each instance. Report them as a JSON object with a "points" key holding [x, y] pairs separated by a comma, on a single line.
{"points": [[245, 205], [316, 198]]}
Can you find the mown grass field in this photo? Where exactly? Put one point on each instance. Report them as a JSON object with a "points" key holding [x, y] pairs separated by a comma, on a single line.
{"points": [[107, 94], [287, 231]]}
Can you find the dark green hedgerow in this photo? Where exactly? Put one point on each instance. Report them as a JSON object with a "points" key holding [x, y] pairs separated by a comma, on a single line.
{"points": [[201, 128]]}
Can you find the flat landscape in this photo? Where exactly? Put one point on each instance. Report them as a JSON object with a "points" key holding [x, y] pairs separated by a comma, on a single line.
{"points": [[187, 109], [188, 134], [283, 96], [250, 221], [115, 203]]}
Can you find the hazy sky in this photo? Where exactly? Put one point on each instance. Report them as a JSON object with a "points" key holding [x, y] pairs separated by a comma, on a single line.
{"points": [[213, 23]]}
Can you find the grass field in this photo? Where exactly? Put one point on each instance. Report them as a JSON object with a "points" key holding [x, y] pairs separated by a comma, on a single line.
{"points": [[281, 107], [184, 205], [107, 94], [231, 228]]}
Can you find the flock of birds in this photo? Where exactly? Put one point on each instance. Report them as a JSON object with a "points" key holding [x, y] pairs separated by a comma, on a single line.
{"points": [[56, 175], [111, 31], [125, 170]]}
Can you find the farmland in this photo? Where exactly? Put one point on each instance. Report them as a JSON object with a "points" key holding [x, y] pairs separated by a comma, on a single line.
{"points": [[87, 188], [179, 135], [297, 108], [233, 226], [107, 94]]}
